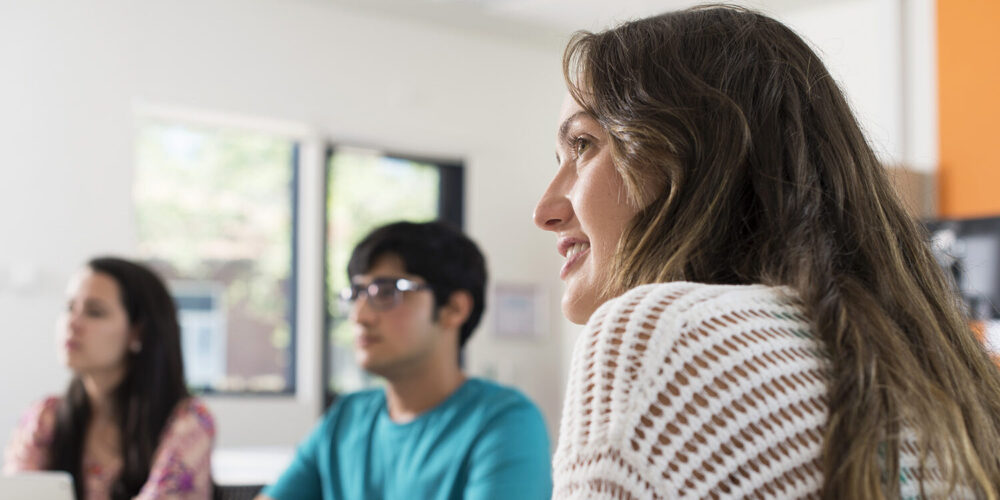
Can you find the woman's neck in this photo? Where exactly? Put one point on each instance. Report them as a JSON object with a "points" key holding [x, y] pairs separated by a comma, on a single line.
{"points": [[100, 387]]}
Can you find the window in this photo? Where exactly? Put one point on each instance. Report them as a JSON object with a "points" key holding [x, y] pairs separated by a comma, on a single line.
{"points": [[215, 216], [366, 189]]}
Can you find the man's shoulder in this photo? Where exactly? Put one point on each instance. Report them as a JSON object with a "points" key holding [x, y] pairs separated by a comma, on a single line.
{"points": [[372, 395], [496, 399], [504, 417], [362, 396], [353, 404]]}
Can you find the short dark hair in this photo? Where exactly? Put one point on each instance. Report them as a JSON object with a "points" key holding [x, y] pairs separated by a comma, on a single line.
{"points": [[440, 254]]}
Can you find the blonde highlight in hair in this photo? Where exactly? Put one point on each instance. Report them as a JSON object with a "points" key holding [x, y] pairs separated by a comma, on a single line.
{"points": [[749, 167]]}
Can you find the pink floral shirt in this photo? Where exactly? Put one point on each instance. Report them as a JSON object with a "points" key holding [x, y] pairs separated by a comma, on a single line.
{"points": [[181, 465]]}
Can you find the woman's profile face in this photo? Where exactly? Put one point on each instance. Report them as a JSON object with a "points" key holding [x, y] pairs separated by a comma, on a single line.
{"points": [[586, 207], [93, 332]]}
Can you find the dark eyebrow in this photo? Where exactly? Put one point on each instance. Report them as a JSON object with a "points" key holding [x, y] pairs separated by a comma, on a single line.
{"points": [[93, 302]]}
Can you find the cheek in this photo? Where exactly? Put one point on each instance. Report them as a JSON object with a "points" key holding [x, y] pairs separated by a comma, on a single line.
{"points": [[604, 212], [109, 340], [410, 321]]}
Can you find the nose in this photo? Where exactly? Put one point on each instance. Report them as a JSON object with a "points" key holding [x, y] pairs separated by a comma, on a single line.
{"points": [[554, 208], [71, 322], [361, 312]]}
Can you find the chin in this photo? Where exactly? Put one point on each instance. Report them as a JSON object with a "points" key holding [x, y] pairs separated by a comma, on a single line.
{"points": [[71, 364], [580, 297], [580, 300], [376, 370], [368, 364], [363, 362], [577, 311]]}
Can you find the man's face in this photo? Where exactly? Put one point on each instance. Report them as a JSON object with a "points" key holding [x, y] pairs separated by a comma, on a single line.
{"points": [[395, 340]]}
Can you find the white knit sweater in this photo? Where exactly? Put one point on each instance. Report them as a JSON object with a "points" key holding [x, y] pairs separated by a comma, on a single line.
{"points": [[685, 390]]}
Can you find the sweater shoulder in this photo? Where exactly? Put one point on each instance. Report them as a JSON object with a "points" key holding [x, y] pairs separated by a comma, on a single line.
{"points": [[684, 297], [668, 376]]}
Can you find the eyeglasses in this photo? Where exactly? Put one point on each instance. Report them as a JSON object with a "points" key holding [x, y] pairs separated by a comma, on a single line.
{"points": [[383, 293]]}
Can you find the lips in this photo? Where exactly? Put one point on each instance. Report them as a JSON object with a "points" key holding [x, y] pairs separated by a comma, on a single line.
{"points": [[363, 341], [573, 249], [564, 244]]}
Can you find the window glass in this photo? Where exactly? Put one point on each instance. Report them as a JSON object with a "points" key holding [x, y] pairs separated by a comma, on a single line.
{"points": [[214, 216]]}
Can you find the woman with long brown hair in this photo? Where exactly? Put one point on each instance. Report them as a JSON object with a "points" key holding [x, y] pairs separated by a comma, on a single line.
{"points": [[126, 427], [762, 316]]}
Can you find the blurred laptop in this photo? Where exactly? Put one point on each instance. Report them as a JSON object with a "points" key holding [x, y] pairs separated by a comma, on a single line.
{"points": [[37, 486]]}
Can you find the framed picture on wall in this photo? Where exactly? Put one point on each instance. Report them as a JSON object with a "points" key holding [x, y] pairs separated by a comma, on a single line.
{"points": [[518, 310]]}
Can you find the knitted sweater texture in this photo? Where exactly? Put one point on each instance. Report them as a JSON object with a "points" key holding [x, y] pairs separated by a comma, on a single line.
{"points": [[685, 390]]}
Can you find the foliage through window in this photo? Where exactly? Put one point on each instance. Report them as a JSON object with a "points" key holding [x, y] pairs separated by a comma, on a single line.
{"points": [[215, 217]]}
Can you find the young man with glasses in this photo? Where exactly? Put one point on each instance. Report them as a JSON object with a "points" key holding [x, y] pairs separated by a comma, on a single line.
{"points": [[417, 292]]}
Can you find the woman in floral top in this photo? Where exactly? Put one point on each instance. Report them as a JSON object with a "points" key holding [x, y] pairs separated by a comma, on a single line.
{"points": [[127, 426]]}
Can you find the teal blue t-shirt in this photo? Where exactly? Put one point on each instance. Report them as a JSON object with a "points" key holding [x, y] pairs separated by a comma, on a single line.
{"points": [[484, 442]]}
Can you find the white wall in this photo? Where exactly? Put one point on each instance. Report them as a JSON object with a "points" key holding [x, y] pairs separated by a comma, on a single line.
{"points": [[883, 53], [73, 74], [859, 42]]}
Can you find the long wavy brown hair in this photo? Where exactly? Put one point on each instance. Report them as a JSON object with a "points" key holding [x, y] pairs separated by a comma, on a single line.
{"points": [[146, 397], [761, 174]]}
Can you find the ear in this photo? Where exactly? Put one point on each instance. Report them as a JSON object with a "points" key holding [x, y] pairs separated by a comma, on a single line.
{"points": [[135, 339], [453, 314]]}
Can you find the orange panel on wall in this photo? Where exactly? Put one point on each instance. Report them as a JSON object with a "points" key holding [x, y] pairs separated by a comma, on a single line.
{"points": [[969, 107]]}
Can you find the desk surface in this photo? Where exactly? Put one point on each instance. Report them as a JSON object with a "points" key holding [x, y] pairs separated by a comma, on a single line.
{"points": [[250, 465]]}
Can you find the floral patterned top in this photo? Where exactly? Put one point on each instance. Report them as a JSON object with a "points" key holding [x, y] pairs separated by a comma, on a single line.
{"points": [[181, 466]]}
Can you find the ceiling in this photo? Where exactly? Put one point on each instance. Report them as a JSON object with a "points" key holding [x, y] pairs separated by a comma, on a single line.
{"points": [[546, 22]]}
